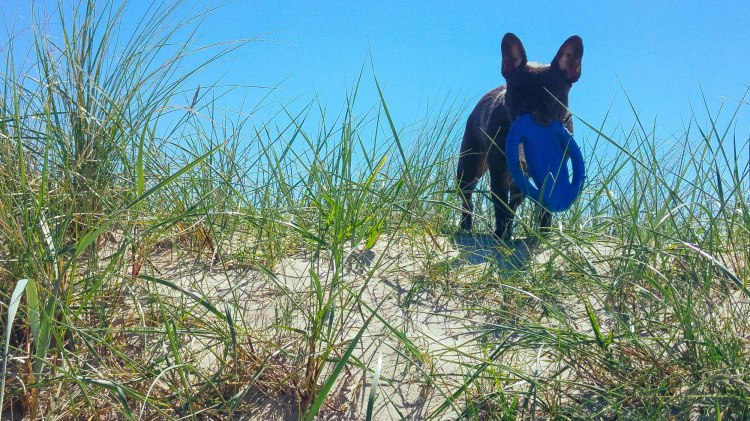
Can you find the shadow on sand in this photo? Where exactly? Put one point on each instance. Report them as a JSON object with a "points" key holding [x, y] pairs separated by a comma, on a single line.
{"points": [[483, 248]]}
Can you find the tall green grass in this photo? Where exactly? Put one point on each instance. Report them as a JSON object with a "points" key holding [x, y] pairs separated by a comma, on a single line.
{"points": [[164, 259]]}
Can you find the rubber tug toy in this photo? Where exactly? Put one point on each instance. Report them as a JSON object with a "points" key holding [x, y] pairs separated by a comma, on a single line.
{"points": [[546, 150]]}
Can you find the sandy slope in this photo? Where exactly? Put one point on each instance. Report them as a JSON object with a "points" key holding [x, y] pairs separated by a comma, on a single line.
{"points": [[450, 312], [421, 290]]}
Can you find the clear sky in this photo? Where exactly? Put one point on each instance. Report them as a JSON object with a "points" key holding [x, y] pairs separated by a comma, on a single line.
{"points": [[661, 52]]}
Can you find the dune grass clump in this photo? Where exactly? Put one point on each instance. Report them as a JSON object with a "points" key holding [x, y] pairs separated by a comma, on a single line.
{"points": [[165, 259]]}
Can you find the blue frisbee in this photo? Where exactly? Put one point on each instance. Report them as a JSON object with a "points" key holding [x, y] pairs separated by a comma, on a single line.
{"points": [[547, 150]]}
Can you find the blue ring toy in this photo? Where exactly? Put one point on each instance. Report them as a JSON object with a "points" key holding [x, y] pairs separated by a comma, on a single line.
{"points": [[546, 149]]}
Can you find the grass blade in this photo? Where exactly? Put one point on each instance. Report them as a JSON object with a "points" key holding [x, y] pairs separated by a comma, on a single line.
{"points": [[374, 388], [15, 301]]}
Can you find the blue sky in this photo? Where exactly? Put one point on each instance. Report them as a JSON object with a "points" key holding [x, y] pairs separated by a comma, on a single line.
{"points": [[661, 52]]}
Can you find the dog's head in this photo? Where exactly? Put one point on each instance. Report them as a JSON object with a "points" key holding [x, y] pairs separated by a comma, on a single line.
{"points": [[537, 89]]}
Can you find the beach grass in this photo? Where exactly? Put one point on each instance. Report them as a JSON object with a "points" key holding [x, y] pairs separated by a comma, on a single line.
{"points": [[163, 258]]}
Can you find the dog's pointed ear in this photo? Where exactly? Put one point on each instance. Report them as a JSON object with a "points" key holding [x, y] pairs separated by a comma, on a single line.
{"points": [[568, 59], [514, 55]]}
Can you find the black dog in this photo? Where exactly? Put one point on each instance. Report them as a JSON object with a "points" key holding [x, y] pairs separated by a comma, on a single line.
{"points": [[531, 88]]}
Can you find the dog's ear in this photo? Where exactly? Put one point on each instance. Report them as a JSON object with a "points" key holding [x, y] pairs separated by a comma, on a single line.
{"points": [[568, 59], [514, 55]]}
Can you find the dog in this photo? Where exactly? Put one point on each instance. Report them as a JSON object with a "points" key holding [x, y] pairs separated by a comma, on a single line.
{"points": [[531, 88]]}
